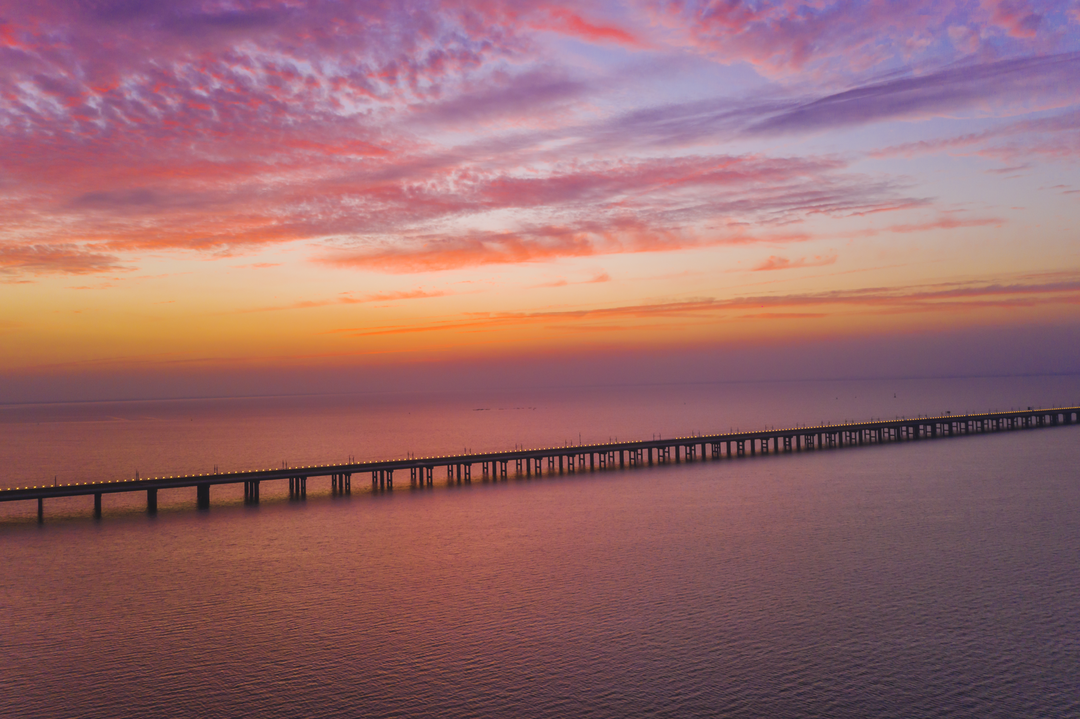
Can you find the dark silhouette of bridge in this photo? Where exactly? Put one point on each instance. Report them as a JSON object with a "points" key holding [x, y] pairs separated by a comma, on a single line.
{"points": [[571, 458]]}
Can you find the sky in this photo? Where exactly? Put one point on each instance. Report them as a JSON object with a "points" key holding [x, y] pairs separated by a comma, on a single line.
{"points": [[259, 196]]}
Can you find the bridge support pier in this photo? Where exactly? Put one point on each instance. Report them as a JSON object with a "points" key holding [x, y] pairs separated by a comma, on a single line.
{"points": [[202, 496], [151, 501], [97, 505], [40, 510]]}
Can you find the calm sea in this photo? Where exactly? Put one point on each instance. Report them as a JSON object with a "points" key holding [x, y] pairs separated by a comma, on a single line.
{"points": [[938, 578]]}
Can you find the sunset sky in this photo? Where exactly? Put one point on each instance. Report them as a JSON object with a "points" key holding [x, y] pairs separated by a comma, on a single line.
{"points": [[224, 191]]}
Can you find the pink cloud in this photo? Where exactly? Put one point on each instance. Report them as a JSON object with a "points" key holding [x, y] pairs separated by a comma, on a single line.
{"points": [[1017, 17], [59, 258], [838, 39], [1056, 137], [570, 23], [782, 263]]}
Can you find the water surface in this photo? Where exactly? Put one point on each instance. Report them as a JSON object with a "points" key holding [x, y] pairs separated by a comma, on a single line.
{"points": [[937, 578]]}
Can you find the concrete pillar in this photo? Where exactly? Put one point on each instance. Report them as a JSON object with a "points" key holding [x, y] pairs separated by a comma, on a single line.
{"points": [[40, 510], [97, 505], [622, 459], [151, 500], [202, 496]]}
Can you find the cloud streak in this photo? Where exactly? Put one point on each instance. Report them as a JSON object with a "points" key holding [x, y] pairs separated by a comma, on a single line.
{"points": [[67, 259], [776, 262], [941, 298]]}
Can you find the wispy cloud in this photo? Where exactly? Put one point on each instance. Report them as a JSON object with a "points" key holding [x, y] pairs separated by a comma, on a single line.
{"points": [[776, 262], [918, 299], [833, 37], [349, 299], [61, 258], [936, 93]]}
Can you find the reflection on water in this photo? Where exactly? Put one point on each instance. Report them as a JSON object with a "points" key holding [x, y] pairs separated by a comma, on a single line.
{"points": [[937, 579]]}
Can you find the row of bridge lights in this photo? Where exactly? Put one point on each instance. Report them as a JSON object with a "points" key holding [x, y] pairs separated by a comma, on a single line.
{"points": [[539, 449]]}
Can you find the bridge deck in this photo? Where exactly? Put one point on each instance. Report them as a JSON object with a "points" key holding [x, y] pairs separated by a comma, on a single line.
{"points": [[602, 455]]}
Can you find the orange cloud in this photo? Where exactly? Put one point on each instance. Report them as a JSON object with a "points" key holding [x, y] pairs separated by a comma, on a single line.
{"points": [[782, 263], [950, 297], [62, 258], [349, 300]]}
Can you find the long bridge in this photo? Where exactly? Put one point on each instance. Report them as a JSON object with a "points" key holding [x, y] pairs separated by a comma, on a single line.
{"points": [[570, 458]]}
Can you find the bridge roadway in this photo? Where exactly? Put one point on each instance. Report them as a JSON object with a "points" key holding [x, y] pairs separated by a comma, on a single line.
{"points": [[570, 458]]}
